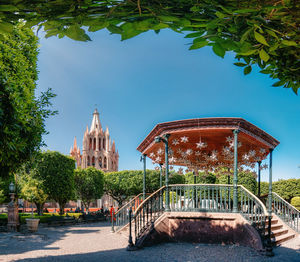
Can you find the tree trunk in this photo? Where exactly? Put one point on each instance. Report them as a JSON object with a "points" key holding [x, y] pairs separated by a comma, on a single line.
{"points": [[39, 208], [61, 208]]}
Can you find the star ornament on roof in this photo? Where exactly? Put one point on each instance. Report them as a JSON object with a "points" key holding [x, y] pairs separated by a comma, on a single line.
{"points": [[160, 151], [152, 155], [189, 152], [184, 139], [172, 159], [158, 159], [201, 145], [175, 142]]}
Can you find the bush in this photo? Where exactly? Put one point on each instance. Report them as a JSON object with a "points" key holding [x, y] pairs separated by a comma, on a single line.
{"points": [[45, 217], [296, 202]]}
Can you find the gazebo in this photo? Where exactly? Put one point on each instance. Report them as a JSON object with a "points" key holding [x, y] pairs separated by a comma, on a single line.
{"points": [[208, 143]]}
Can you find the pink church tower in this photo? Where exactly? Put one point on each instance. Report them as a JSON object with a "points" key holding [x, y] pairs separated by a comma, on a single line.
{"points": [[97, 149]]}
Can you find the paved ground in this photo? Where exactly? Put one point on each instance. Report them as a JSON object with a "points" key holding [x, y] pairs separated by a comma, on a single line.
{"points": [[94, 242]]}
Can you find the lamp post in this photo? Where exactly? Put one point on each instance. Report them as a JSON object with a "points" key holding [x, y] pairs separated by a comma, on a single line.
{"points": [[165, 139], [12, 208], [258, 177]]}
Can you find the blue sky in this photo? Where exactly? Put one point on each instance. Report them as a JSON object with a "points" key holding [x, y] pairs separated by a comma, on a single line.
{"points": [[154, 78]]}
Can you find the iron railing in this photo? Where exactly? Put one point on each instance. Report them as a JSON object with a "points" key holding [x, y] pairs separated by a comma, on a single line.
{"points": [[288, 213], [199, 198], [122, 215]]}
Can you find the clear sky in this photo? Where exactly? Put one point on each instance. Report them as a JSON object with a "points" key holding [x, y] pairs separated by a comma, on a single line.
{"points": [[152, 78]]}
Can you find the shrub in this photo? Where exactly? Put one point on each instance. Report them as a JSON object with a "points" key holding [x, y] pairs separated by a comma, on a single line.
{"points": [[296, 202]]}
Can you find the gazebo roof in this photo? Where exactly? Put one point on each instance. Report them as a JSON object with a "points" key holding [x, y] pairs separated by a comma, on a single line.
{"points": [[206, 142]]}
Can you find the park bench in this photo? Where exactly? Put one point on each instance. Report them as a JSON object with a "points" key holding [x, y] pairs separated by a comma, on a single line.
{"points": [[59, 221]]}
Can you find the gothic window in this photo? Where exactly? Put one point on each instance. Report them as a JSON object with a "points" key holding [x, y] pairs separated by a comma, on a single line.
{"points": [[88, 159], [100, 162], [94, 145], [105, 162], [104, 143], [93, 161], [99, 143], [90, 147]]}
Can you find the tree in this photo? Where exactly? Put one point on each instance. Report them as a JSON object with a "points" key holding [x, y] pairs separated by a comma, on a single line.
{"points": [[296, 202], [57, 173], [287, 189], [88, 184], [32, 190], [245, 178], [201, 178], [22, 115], [123, 184], [263, 33]]}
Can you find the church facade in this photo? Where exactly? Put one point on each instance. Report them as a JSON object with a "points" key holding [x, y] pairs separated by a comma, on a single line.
{"points": [[97, 148]]}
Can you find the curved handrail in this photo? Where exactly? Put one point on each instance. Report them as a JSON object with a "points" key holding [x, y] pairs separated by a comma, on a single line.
{"points": [[133, 199], [284, 201], [147, 199], [256, 198]]}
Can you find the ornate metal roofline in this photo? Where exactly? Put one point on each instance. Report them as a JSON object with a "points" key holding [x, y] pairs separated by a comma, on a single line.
{"points": [[207, 123]]}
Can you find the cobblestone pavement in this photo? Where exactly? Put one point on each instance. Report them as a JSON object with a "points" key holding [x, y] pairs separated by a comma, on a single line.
{"points": [[94, 242]]}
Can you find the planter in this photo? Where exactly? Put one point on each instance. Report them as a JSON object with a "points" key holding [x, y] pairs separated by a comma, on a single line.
{"points": [[32, 224]]}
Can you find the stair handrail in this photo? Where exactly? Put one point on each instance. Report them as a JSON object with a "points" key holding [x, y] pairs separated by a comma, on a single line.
{"points": [[121, 217], [287, 203], [147, 200], [256, 198], [124, 206], [291, 214]]}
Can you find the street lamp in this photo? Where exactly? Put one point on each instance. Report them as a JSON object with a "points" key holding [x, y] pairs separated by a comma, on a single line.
{"points": [[12, 210], [165, 139]]}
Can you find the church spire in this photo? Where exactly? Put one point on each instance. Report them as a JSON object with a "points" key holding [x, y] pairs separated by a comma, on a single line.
{"points": [[96, 125]]}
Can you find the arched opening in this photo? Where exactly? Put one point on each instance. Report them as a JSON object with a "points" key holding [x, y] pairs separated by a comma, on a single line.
{"points": [[99, 143], [93, 161], [94, 144], [88, 161], [104, 143], [100, 162], [105, 162], [90, 146]]}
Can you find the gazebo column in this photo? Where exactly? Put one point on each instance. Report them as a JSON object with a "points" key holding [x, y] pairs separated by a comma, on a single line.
{"points": [[160, 185], [258, 176], [160, 175], [269, 246], [166, 138], [143, 158], [235, 174]]}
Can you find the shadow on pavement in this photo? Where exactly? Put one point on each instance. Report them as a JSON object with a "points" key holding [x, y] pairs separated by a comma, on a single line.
{"points": [[18, 243]]}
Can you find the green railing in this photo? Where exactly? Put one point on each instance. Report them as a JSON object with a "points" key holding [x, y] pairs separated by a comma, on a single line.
{"points": [[122, 215], [288, 213], [199, 198]]}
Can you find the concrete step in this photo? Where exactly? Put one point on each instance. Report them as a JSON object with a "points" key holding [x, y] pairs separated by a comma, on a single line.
{"points": [[274, 227], [279, 232], [273, 221], [282, 238]]}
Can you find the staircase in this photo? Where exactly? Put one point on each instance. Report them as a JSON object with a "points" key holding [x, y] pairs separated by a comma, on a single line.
{"points": [[280, 232]]}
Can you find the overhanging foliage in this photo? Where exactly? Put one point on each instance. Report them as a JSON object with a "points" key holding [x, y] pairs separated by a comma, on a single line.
{"points": [[263, 33]]}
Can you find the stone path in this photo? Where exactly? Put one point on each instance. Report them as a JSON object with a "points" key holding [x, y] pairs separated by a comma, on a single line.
{"points": [[94, 242]]}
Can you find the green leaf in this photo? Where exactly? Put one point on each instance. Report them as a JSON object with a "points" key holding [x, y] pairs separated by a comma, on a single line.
{"points": [[240, 64], [247, 70], [198, 45], [218, 50], [247, 53], [192, 35], [76, 33], [260, 38], [6, 27], [199, 39], [8, 8], [272, 33], [114, 29], [289, 43], [98, 26], [279, 83], [264, 55], [220, 15]]}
